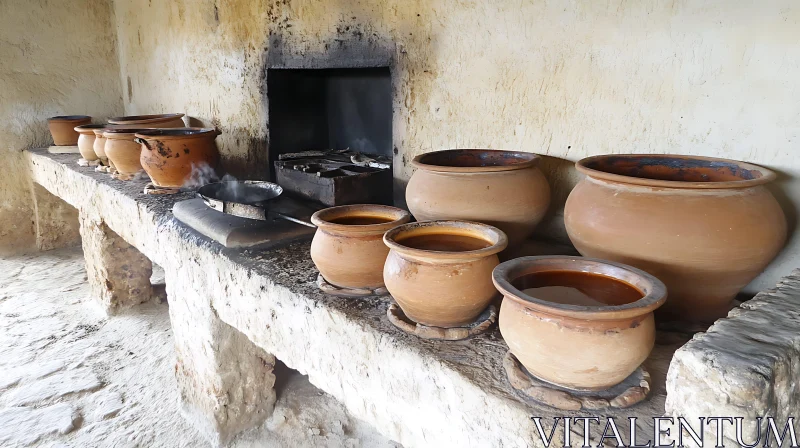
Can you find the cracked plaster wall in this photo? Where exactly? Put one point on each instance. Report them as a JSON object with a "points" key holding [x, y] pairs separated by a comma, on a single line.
{"points": [[58, 58]]}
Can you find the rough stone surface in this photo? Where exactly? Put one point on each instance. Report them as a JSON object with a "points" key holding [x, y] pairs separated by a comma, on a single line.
{"points": [[745, 365], [54, 386], [25, 426], [118, 273], [418, 392]]}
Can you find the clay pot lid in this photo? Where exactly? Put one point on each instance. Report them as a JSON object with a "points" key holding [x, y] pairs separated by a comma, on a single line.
{"points": [[654, 290], [88, 128], [144, 119], [474, 160], [490, 234], [323, 218], [176, 133], [69, 118], [675, 171]]}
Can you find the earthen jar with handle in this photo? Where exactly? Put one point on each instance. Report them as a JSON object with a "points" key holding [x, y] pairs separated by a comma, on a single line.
{"points": [[578, 346], [504, 189], [705, 226], [150, 121], [62, 128], [86, 140], [171, 156], [348, 246], [439, 272], [122, 151]]}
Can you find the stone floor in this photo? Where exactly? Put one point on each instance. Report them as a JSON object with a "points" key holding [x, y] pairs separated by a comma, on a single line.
{"points": [[70, 377]]}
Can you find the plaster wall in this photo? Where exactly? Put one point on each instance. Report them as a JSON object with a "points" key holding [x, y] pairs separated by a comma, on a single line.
{"points": [[560, 78], [58, 58]]}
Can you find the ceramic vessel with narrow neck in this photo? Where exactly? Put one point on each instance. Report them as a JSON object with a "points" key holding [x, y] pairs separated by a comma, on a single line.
{"points": [[171, 156], [706, 227], [86, 140], [348, 246], [122, 151], [150, 121], [580, 323], [504, 189], [62, 128], [439, 272]]}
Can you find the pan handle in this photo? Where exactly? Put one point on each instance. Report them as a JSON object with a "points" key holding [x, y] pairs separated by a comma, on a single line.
{"points": [[142, 141]]}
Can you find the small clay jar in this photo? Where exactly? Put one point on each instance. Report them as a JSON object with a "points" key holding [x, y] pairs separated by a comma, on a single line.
{"points": [[504, 189], [348, 246], [704, 226], [150, 121], [122, 151], [580, 323], [86, 140], [171, 156], [62, 128], [439, 272], [99, 145]]}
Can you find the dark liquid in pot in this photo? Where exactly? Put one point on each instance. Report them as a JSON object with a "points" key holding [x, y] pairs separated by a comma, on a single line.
{"points": [[444, 242], [577, 288], [360, 220]]}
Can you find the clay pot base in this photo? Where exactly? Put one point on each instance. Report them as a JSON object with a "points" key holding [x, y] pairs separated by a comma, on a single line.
{"points": [[481, 324], [151, 188], [632, 390], [334, 290], [84, 162]]}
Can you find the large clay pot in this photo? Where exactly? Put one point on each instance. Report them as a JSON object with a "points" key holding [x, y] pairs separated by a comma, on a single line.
{"points": [[86, 140], [348, 246], [704, 226], [171, 156], [504, 189], [150, 121], [122, 151], [62, 128], [439, 272], [99, 145], [562, 339]]}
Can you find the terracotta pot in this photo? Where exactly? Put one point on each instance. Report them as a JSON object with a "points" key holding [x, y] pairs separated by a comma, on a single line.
{"points": [[171, 156], [348, 247], [86, 140], [62, 128], [122, 151], [439, 272], [578, 346], [150, 121], [504, 189], [706, 227], [99, 145]]}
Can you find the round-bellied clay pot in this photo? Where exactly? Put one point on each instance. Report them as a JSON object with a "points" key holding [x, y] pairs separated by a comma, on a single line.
{"points": [[122, 151], [580, 323], [86, 140], [150, 121], [348, 246], [504, 189], [439, 272], [62, 128], [706, 227], [170, 156], [99, 145]]}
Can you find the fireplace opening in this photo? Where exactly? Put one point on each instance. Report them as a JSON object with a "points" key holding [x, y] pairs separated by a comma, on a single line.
{"points": [[317, 114]]}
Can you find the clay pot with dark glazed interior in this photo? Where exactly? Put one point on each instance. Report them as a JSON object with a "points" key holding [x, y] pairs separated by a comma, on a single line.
{"points": [[62, 128], [150, 121], [99, 145], [580, 323], [348, 246], [706, 227], [439, 272], [122, 151], [170, 156], [504, 189], [86, 140]]}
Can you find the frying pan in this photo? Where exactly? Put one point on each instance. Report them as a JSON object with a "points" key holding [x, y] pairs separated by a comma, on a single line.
{"points": [[246, 199]]}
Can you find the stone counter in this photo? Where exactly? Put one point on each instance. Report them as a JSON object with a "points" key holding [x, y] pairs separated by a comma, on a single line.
{"points": [[418, 392]]}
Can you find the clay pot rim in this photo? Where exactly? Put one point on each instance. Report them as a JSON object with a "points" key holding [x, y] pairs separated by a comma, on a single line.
{"points": [[88, 129], [144, 119], [68, 118], [398, 215], [528, 160], [122, 133], [766, 175], [474, 229], [176, 133], [655, 292]]}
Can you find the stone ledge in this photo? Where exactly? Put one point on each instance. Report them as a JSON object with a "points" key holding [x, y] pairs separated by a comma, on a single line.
{"points": [[420, 393]]}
